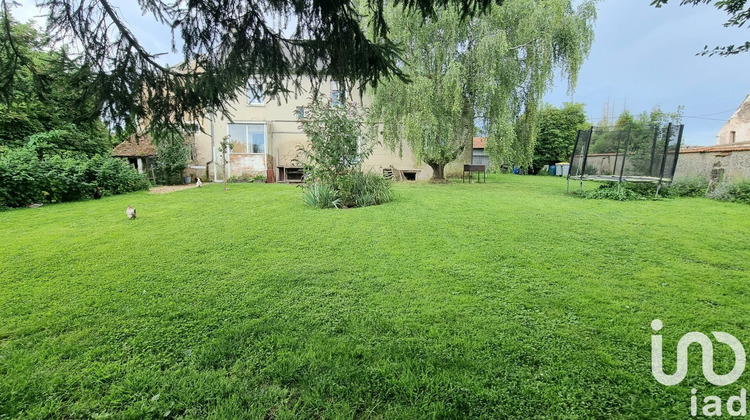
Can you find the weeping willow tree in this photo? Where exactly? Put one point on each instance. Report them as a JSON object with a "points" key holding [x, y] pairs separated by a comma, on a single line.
{"points": [[493, 69]]}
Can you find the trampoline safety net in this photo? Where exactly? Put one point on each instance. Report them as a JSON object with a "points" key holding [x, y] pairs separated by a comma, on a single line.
{"points": [[630, 154]]}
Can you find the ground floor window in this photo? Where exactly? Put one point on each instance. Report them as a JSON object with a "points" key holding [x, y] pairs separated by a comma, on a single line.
{"points": [[248, 138]]}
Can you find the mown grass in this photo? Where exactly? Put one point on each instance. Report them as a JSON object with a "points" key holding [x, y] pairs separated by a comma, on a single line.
{"points": [[500, 300]]}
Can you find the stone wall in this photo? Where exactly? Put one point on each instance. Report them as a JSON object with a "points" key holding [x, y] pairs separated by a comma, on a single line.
{"points": [[730, 164]]}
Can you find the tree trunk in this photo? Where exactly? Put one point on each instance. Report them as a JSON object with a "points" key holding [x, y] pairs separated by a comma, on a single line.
{"points": [[438, 172]]}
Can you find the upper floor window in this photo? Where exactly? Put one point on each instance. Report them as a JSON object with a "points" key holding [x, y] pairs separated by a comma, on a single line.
{"points": [[338, 94], [300, 112], [732, 136], [255, 93]]}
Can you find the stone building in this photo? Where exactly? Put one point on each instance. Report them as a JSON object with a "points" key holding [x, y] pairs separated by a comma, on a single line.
{"points": [[737, 129]]}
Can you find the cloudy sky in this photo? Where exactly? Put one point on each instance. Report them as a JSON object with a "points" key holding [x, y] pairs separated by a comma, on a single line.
{"points": [[642, 57]]}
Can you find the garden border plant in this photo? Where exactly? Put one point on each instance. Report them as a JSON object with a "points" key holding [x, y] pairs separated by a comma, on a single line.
{"points": [[338, 144]]}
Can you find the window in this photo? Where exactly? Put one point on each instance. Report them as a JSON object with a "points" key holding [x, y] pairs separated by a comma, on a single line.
{"points": [[255, 93], [300, 112], [248, 138], [192, 128], [338, 94], [732, 136]]}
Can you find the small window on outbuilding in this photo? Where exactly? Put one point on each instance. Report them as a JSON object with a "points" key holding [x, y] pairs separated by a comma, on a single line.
{"points": [[732, 136]]}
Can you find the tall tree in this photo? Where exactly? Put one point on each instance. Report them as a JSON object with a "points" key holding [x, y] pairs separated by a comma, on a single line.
{"points": [[43, 89], [739, 15], [224, 43], [493, 69], [557, 131]]}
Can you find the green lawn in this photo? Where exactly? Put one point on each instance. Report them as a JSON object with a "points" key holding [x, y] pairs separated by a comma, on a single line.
{"points": [[500, 300]]}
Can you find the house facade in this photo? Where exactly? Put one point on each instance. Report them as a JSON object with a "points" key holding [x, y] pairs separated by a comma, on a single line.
{"points": [[737, 129], [266, 134]]}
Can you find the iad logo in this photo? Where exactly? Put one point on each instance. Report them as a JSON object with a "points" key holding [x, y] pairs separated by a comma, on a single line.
{"points": [[708, 357]]}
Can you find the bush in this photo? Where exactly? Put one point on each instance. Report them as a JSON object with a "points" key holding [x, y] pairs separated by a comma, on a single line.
{"points": [[361, 189], [69, 139], [173, 158], [322, 196], [609, 193], [736, 192], [27, 178], [114, 176], [690, 186], [629, 191], [22, 178], [65, 179], [339, 144]]}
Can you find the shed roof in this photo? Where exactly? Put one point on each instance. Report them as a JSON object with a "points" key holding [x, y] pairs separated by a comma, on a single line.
{"points": [[480, 142], [133, 147]]}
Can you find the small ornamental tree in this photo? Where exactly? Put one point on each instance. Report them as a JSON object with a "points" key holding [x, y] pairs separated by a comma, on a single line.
{"points": [[338, 145], [338, 139], [174, 153]]}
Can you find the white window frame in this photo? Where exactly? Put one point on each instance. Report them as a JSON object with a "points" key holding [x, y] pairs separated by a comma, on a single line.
{"points": [[337, 93], [299, 112], [247, 139], [254, 91]]}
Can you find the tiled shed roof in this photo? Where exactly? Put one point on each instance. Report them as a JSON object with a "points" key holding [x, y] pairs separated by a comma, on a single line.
{"points": [[135, 148], [480, 142]]}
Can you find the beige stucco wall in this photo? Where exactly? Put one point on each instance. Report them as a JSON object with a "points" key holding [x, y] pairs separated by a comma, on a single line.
{"points": [[283, 137], [739, 123]]}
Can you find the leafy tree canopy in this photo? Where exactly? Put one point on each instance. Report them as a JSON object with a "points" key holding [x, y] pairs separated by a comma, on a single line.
{"points": [[42, 89], [738, 16], [557, 132], [641, 124], [494, 68], [224, 43]]}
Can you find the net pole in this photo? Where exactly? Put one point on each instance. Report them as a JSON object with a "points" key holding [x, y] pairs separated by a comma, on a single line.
{"points": [[617, 152], [653, 152], [676, 152], [624, 156], [572, 159], [585, 157], [664, 157]]}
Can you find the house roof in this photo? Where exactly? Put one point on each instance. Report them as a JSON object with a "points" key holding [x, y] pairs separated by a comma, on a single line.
{"points": [[133, 147], [721, 148], [480, 142]]}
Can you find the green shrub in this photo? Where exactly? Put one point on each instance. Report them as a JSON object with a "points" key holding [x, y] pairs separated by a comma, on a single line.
{"points": [[69, 139], [338, 144], [322, 196], [65, 179], [690, 186], [114, 176], [22, 179], [27, 178], [15, 126], [360, 189], [606, 192], [736, 192], [173, 158], [628, 191]]}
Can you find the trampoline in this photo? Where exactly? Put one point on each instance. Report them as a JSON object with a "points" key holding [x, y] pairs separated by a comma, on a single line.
{"points": [[626, 155]]}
